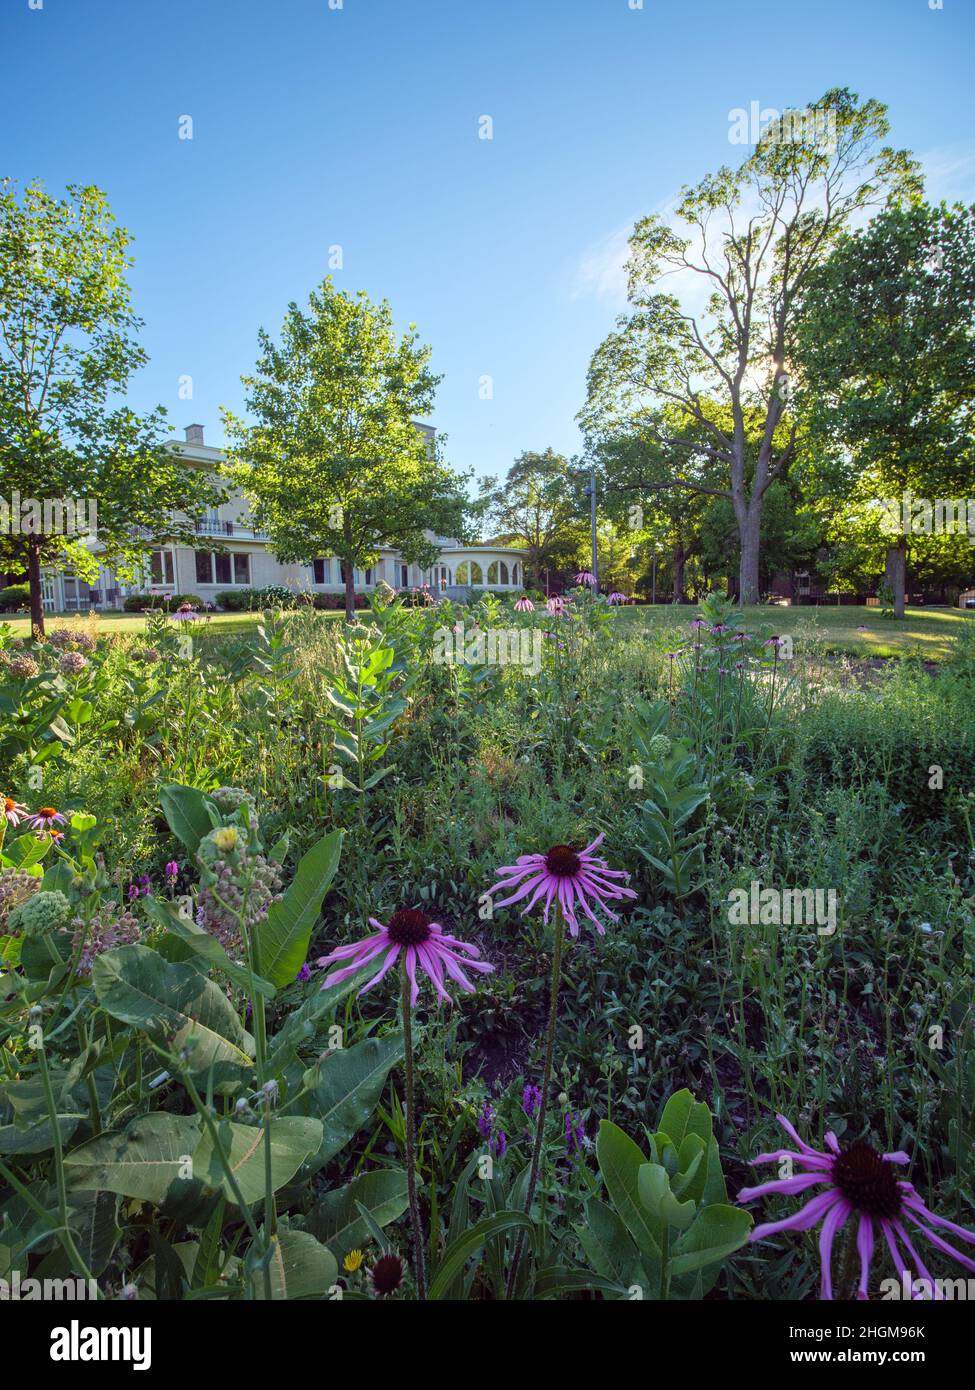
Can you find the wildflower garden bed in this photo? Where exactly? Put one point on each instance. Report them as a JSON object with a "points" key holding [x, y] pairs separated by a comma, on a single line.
{"points": [[332, 968]]}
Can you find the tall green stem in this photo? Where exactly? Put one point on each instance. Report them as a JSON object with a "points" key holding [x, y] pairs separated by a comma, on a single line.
{"points": [[419, 1263], [553, 1002]]}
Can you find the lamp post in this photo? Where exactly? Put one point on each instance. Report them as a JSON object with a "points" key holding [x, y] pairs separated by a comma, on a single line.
{"points": [[653, 594]]}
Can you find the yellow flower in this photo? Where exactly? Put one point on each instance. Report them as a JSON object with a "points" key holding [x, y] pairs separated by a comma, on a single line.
{"points": [[352, 1261], [225, 838]]}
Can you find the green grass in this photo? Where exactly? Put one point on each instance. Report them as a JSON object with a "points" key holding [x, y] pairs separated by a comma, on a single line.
{"points": [[926, 632], [221, 624]]}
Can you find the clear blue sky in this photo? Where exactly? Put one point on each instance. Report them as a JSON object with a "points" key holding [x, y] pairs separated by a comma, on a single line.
{"points": [[358, 127]]}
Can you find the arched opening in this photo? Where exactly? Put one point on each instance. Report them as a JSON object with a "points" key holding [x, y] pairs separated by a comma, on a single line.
{"points": [[462, 573], [504, 573], [476, 575], [493, 572], [514, 573]]}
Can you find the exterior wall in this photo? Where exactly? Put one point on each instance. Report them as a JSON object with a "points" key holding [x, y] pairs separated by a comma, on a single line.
{"points": [[230, 526]]}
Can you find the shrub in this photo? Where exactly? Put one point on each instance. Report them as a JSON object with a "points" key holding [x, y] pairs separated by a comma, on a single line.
{"points": [[13, 597], [136, 603]]}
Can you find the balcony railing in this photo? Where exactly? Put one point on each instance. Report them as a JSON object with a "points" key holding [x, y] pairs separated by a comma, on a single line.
{"points": [[228, 528]]}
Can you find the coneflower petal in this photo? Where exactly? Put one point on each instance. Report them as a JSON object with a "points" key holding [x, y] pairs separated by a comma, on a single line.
{"points": [[835, 1219]]}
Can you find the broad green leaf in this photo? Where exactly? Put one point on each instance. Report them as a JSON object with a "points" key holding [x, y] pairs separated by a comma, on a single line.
{"points": [[211, 954], [336, 1219], [717, 1233], [684, 1115], [607, 1244], [300, 1268], [188, 813], [348, 1086], [293, 1139], [657, 1198], [620, 1161], [283, 937], [172, 1004], [146, 1161]]}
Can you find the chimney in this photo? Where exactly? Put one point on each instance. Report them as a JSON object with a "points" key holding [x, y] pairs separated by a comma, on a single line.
{"points": [[194, 434]]}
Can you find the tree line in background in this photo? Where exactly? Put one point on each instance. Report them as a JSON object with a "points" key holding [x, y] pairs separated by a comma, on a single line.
{"points": [[818, 361]]}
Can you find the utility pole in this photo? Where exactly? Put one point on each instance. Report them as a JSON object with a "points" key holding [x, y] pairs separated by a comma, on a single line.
{"points": [[653, 596], [590, 492]]}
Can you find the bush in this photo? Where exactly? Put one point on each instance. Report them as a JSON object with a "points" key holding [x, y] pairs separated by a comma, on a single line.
{"points": [[135, 603], [14, 596]]}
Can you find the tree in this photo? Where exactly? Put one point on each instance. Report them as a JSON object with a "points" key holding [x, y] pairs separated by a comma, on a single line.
{"points": [[754, 236], [335, 463], [887, 357], [65, 350], [538, 506], [634, 472]]}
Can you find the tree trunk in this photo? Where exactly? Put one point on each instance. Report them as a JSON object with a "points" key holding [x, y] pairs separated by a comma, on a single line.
{"points": [[749, 529], [349, 573], [895, 573], [679, 559], [34, 580]]}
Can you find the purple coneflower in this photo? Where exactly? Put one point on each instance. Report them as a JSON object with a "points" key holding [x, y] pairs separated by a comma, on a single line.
{"points": [[567, 876], [586, 577], [13, 811], [420, 941], [387, 1274], [524, 604], [424, 943], [774, 642], [556, 604], [697, 624], [860, 1182], [46, 819], [617, 597]]}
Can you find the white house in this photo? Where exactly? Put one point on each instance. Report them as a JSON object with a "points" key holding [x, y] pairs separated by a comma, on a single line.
{"points": [[245, 560]]}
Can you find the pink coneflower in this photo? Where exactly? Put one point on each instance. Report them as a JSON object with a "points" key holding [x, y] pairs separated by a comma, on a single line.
{"points": [[556, 605], [524, 605], [426, 945], [697, 624], [570, 878], [860, 1182], [46, 819], [586, 577], [13, 811], [565, 875], [617, 597]]}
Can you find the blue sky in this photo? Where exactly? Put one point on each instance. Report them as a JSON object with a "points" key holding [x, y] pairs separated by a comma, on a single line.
{"points": [[358, 127]]}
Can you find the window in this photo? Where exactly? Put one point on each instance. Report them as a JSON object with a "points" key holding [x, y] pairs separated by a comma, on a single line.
{"points": [[369, 576], [218, 567], [323, 571], [404, 576], [161, 567]]}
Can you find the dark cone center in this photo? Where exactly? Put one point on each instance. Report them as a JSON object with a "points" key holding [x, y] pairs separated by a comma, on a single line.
{"points": [[409, 927], [387, 1274], [867, 1181], [563, 861]]}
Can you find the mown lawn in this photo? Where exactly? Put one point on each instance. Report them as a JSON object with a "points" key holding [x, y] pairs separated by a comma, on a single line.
{"points": [[924, 631]]}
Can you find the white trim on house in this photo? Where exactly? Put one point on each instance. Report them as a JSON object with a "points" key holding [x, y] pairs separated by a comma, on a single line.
{"points": [[459, 568]]}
